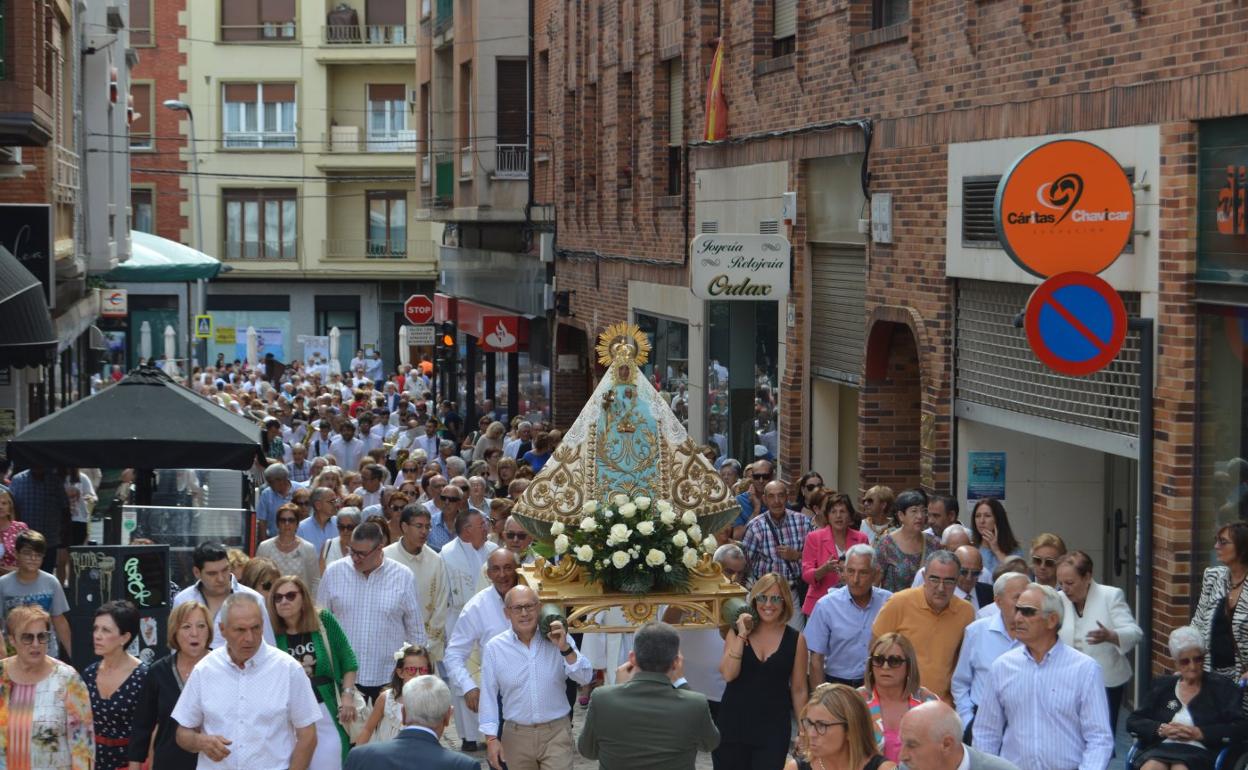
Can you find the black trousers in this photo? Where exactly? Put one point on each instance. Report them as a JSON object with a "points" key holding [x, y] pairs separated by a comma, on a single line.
{"points": [[1114, 696]]}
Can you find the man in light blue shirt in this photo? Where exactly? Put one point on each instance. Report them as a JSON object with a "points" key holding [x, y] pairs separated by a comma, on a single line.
{"points": [[839, 629], [1044, 707], [985, 640], [322, 524], [751, 500], [275, 495]]}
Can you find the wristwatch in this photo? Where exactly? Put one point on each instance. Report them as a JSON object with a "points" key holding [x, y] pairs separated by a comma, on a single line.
{"points": [[565, 652]]}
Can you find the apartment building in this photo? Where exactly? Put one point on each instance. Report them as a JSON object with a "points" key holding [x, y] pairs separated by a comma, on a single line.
{"points": [[64, 185], [871, 134], [477, 169], [305, 170]]}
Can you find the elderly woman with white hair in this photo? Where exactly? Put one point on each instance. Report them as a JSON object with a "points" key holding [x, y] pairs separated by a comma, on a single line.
{"points": [[1186, 719]]}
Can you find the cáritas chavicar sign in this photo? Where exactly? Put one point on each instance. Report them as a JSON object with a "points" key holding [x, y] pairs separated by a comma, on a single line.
{"points": [[739, 266]]}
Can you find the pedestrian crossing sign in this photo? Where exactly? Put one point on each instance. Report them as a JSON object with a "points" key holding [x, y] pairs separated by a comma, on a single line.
{"points": [[203, 327]]}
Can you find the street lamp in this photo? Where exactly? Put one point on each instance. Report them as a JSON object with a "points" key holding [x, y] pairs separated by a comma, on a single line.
{"points": [[180, 106]]}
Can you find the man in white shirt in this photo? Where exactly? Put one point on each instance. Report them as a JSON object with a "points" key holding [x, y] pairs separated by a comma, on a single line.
{"points": [[320, 442], [375, 601], [481, 620], [405, 439], [526, 673], [429, 441], [371, 434], [426, 565], [524, 436], [348, 449], [985, 640], [359, 362], [247, 706], [214, 585], [370, 489]]}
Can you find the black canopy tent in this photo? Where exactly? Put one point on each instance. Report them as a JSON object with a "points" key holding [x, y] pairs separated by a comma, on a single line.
{"points": [[146, 422], [27, 337]]}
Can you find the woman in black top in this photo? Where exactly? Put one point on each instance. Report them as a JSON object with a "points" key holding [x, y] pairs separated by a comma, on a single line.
{"points": [[764, 664], [835, 733], [1222, 613], [190, 633]]}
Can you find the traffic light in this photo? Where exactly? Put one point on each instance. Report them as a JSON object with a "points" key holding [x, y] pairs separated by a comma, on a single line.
{"points": [[444, 352]]}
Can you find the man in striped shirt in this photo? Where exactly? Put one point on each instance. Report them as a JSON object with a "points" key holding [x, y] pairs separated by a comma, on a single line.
{"points": [[1045, 704]]}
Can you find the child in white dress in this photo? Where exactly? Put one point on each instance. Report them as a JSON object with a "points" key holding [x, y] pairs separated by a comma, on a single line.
{"points": [[387, 717]]}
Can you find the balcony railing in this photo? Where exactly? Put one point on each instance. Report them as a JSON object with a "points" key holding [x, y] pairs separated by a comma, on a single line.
{"points": [[368, 34], [268, 32], [465, 161], [511, 161], [367, 248], [350, 139], [268, 250], [425, 164], [65, 175], [259, 140]]}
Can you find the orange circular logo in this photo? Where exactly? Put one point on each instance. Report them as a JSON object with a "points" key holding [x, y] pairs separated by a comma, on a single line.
{"points": [[1065, 206]]}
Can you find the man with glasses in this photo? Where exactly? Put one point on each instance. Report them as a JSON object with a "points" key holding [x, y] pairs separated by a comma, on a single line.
{"points": [[970, 587], [985, 640], [432, 589], [371, 490], [838, 633], [443, 530], [375, 600], [523, 673], [751, 500], [1045, 703], [322, 524], [932, 616], [214, 584], [518, 540], [28, 584]]}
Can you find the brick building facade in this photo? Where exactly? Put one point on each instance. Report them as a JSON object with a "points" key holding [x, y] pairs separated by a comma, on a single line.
{"points": [[935, 99]]}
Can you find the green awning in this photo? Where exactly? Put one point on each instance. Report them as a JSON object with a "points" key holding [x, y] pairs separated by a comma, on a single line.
{"points": [[159, 260]]}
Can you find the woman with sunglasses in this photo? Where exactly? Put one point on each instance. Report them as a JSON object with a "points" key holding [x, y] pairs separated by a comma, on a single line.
{"points": [[1046, 549], [45, 710], [259, 575], [764, 665], [1098, 622], [386, 719], [877, 512], [189, 636], [810, 483], [824, 552], [314, 638], [890, 688], [1186, 719], [834, 733], [292, 554], [1222, 613]]}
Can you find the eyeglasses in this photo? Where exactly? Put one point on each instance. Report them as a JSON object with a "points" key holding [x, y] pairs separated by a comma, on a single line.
{"points": [[346, 527], [515, 535], [760, 476], [1039, 561], [1197, 659], [362, 556], [524, 609], [945, 583], [1026, 611], [396, 507], [285, 596], [40, 638], [452, 499], [1221, 541], [818, 728], [769, 599], [416, 669], [287, 520], [888, 661], [970, 572]]}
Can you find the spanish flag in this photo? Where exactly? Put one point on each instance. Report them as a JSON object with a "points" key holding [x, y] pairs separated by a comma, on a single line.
{"points": [[716, 105]]}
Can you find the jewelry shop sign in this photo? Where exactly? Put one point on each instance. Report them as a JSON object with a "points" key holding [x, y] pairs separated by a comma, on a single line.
{"points": [[745, 266]]}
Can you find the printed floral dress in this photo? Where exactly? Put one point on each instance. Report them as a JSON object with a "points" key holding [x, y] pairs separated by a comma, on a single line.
{"points": [[46, 726], [114, 716]]}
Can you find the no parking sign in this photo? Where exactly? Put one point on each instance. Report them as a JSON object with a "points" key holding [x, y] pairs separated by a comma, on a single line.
{"points": [[1076, 323]]}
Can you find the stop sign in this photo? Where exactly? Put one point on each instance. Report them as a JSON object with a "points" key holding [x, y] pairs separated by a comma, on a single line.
{"points": [[418, 309]]}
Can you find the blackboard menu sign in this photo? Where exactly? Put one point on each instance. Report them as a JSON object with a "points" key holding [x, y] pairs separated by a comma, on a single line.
{"points": [[26, 231], [102, 573]]}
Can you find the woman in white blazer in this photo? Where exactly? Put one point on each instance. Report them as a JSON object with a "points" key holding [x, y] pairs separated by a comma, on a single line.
{"points": [[1098, 622]]}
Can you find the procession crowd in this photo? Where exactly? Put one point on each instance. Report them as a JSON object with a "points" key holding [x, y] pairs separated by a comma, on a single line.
{"points": [[385, 600]]}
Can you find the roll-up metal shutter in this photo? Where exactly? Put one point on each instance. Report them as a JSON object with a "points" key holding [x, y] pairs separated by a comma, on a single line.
{"points": [[785, 23], [676, 102], [996, 367], [838, 310]]}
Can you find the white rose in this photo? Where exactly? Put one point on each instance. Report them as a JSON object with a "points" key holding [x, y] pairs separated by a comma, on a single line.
{"points": [[628, 510], [680, 540], [584, 553], [620, 533], [656, 557], [561, 544], [710, 544], [663, 506], [646, 528], [667, 568], [619, 500], [668, 517], [695, 533], [689, 558], [689, 518], [607, 514], [588, 525], [556, 529], [590, 507], [621, 559], [642, 503]]}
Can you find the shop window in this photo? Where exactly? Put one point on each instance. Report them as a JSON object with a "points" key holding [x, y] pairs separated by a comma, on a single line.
{"points": [[668, 367], [886, 13], [258, 115], [260, 224], [1223, 449], [741, 377], [142, 210]]}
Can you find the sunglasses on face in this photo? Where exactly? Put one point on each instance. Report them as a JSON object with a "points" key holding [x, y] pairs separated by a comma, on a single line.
{"points": [[287, 520], [818, 728], [345, 527], [887, 661], [1026, 611], [515, 535], [285, 596], [40, 638], [760, 476], [975, 573], [451, 499], [416, 669], [777, 600], [1039, 561], [1197, 659]]}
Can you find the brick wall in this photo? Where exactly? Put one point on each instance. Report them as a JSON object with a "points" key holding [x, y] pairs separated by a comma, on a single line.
{"points": [[162, 64]]}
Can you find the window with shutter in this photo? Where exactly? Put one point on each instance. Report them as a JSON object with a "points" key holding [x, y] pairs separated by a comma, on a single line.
{"points": [[258, 115], [512, 100], [387, 119], [785, 19], [838, 310], [141, 22], [144, 108], [676, 103]]}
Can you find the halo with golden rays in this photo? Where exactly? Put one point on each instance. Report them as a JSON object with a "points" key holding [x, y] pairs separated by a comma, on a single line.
{"points": [[627, 334]]}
